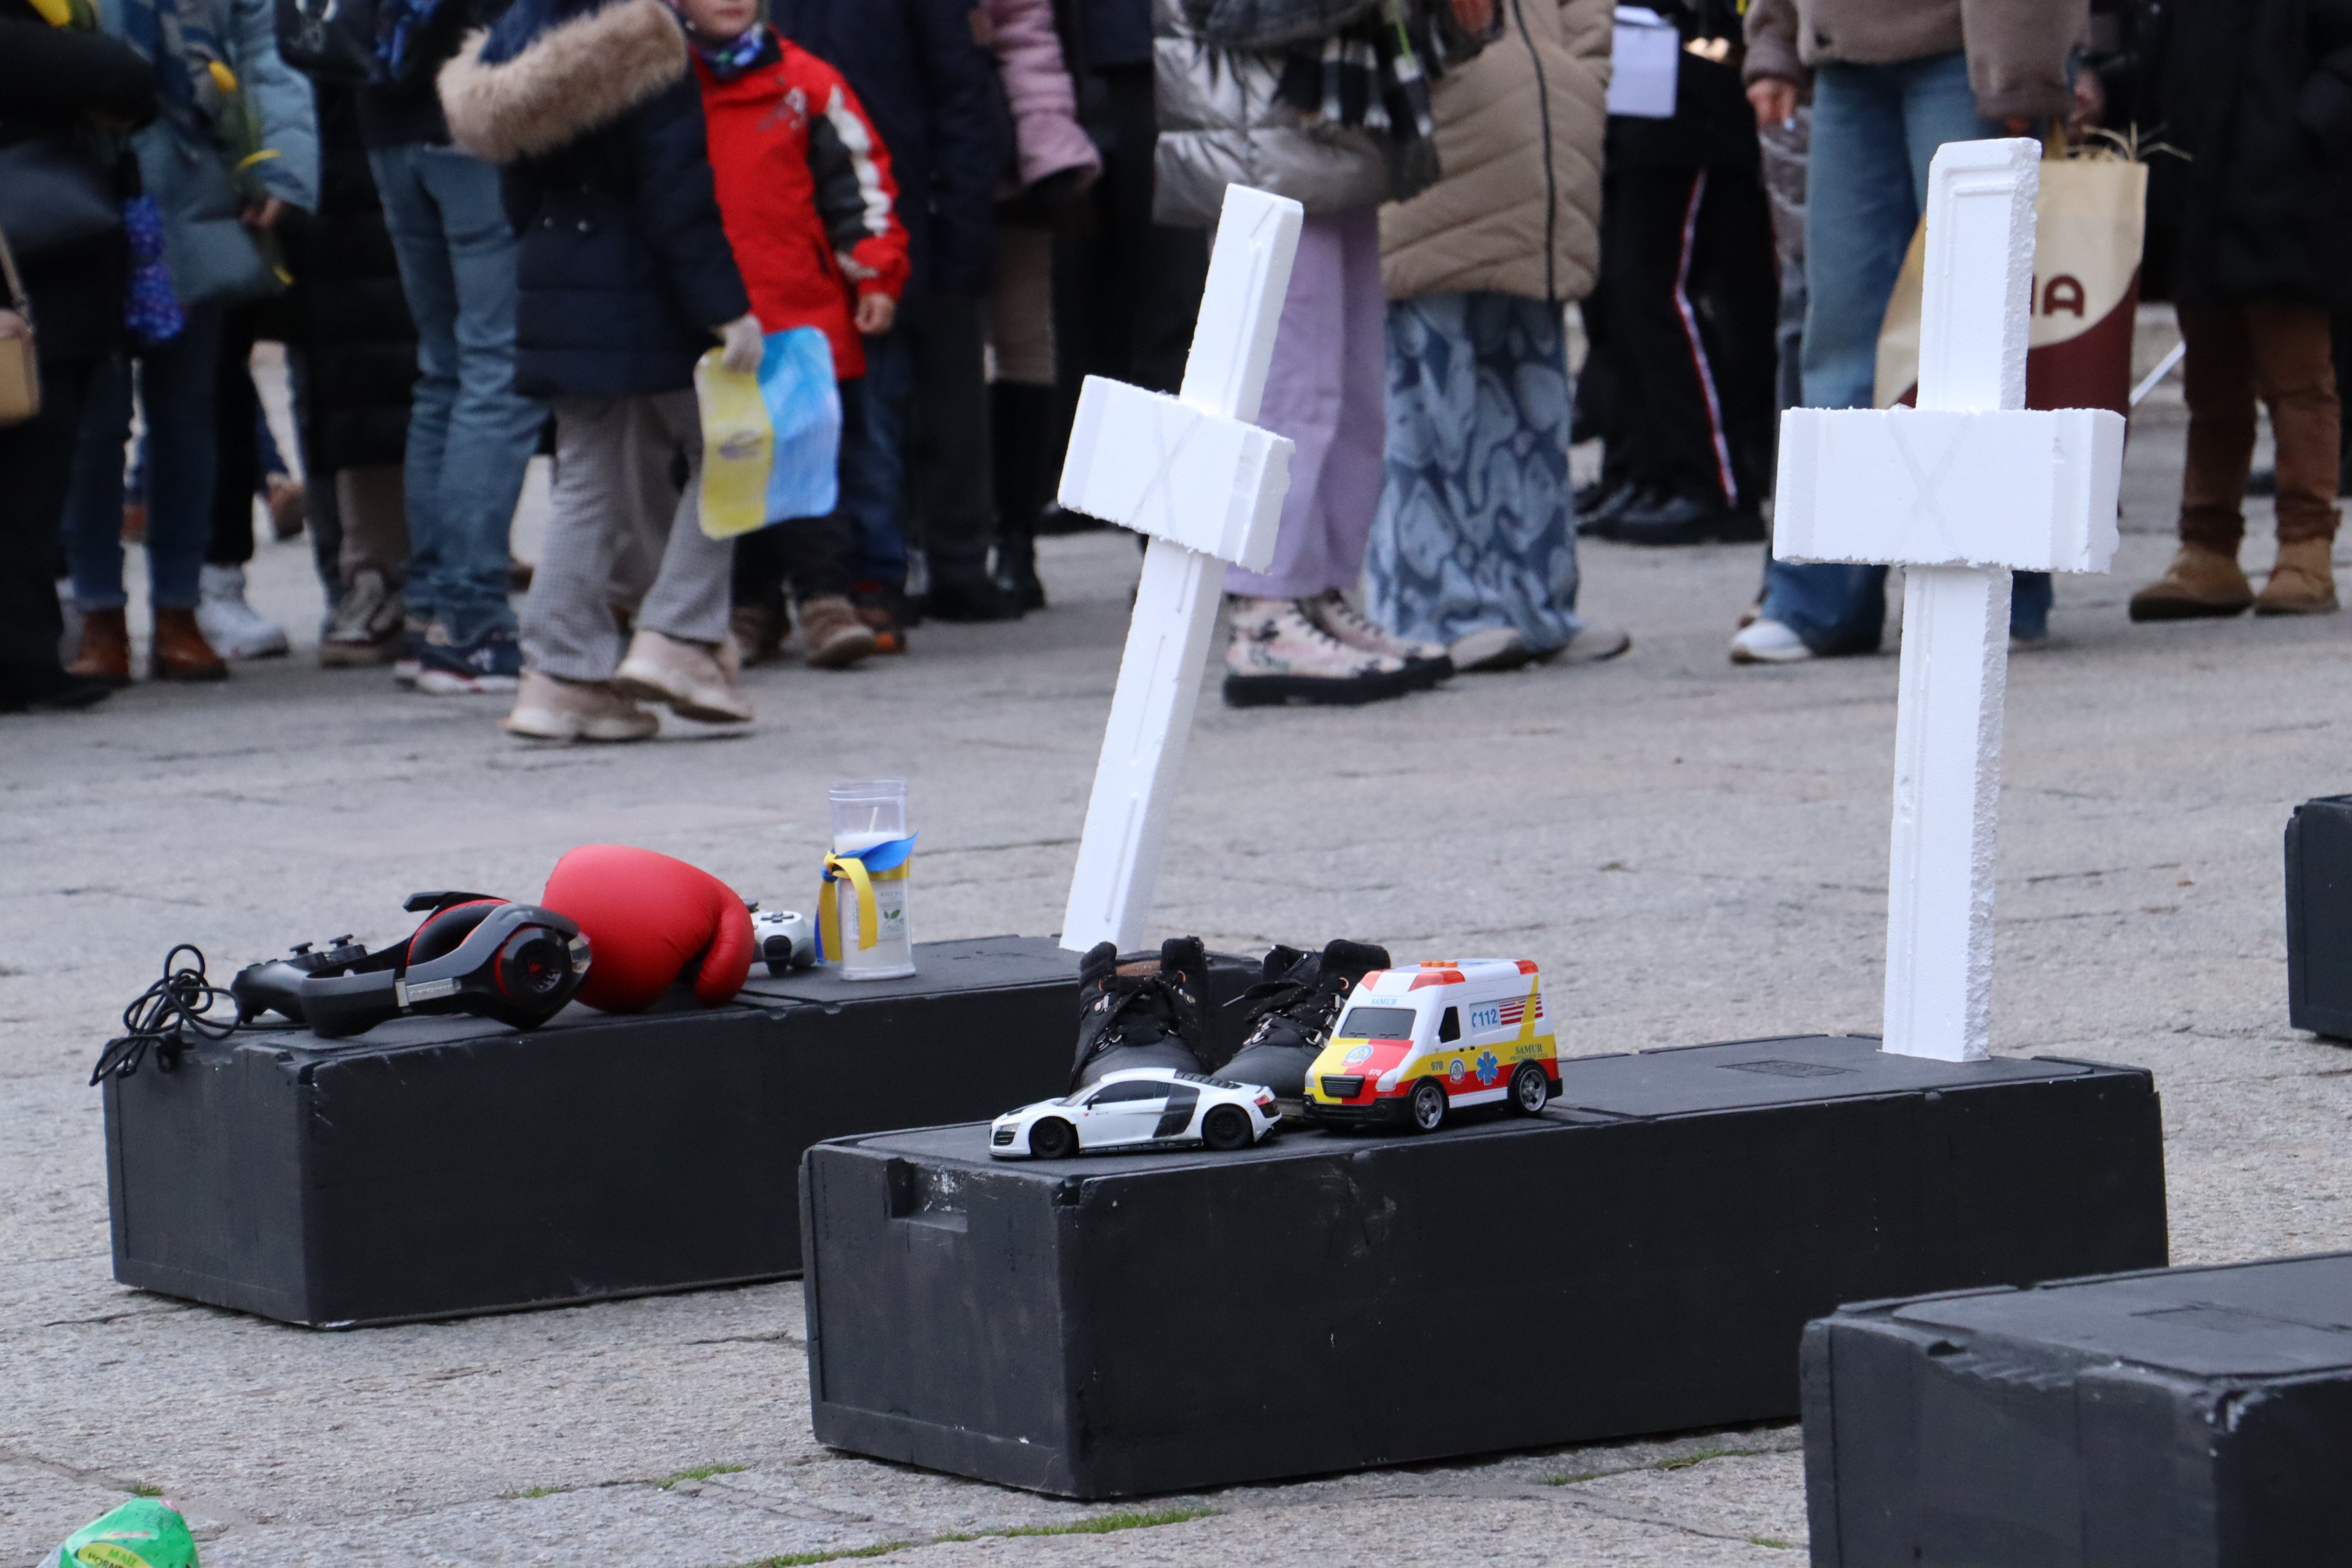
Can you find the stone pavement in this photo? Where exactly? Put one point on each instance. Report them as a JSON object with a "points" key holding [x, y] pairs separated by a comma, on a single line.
{"points": [[1694, 852]]}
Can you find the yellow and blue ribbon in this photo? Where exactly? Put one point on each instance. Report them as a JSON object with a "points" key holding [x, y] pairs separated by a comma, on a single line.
{"points": [[884, 862]]}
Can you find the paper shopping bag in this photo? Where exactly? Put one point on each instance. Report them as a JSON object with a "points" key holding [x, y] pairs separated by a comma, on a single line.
{"points": [[2088, 223], [770, 443]]}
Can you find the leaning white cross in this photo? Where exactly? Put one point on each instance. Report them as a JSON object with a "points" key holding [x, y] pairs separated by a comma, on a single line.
{"points": [[1962, 491], [1207, 485]]}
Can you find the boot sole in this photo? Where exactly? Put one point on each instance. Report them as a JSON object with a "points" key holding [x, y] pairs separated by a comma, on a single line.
{"points": [[189, 677], [681, 703], [840, 653], [593, 733], [1275, 690], [2327, 606], [2187, 610]]}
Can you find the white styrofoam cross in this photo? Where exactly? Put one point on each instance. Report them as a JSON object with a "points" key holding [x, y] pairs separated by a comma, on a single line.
{"points": [[1193, 472], [1961, 491]]}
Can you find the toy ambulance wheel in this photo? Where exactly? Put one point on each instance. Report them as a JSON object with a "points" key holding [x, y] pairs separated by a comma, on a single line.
{"points": [[1053, 1139], [1226, 1128], [1428, 1105], [1530, 1089]]}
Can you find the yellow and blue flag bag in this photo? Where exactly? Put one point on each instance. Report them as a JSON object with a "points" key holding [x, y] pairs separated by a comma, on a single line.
{"points": [[770, 443]]}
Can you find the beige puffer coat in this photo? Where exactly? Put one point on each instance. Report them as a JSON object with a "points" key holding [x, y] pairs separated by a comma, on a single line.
{"points": [[1516, 211]]}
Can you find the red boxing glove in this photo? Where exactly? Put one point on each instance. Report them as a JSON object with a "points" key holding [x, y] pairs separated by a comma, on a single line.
{"points": [[651, 920]]}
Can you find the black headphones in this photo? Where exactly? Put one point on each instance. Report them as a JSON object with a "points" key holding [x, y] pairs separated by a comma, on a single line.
{"points": [[517, 963]]}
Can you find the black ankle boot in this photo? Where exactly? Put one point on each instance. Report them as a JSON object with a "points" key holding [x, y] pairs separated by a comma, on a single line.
{"points": [[1016, 570], [1296, 1006], [1141, 1011]]}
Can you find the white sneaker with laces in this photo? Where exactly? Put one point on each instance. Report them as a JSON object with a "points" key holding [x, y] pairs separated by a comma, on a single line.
{"points": [[1767, 642], [1338, 614], [547, 709], [1280, 654], [234, 629]]}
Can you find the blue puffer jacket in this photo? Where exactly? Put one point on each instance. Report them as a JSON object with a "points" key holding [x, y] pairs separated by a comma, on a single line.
{"points": [[931, 90], [186, 155], [597, 120]]}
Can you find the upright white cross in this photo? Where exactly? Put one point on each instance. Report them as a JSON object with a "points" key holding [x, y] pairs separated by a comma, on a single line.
{"points": [[1962, 491], [1207, 485]]}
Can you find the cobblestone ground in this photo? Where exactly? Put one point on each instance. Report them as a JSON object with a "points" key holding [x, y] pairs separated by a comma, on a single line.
{"points": [[1692, 852]]}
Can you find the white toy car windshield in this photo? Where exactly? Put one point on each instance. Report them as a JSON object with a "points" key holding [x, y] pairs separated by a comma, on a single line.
{"points": [[1377, 1024]]}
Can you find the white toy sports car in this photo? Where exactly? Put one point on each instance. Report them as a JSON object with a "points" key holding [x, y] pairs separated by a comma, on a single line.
{"points": [[1143, 1108]]}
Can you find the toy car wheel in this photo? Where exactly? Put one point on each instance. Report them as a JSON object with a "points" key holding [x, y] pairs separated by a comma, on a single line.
{"points": [[1226, 1128], [1428, 1105], [1530, 1089], [1053, 1139]]}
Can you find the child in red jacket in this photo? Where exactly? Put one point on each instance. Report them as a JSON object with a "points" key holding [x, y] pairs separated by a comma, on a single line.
{"points": [[804, 190]]}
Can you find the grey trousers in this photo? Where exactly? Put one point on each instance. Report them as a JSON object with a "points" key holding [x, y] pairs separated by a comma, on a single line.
{"points": [[614, 504]]}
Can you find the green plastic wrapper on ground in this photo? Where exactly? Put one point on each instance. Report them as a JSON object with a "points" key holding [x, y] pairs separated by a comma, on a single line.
{"points": [[142, 1533]]}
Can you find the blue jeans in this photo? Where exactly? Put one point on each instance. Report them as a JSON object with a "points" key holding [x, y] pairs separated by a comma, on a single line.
{"points": [[176, 388], [470, 433], [872, 455], [1875, 129]]}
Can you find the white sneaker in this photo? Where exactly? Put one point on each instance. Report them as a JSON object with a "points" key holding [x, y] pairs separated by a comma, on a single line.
{"points": [[688, 676], [234, 627], [1767, 642], [547, 709], [1337, 614], [1279, 654]]}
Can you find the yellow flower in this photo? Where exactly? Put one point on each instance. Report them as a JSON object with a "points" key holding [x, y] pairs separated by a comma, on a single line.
{"points": [[223, 78]]}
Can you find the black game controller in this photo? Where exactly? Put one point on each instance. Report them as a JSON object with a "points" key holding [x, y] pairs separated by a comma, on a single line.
{"points": [[276, 985]]}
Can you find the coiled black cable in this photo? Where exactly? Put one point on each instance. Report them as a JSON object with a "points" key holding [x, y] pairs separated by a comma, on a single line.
{"points": [[161, 1017]]}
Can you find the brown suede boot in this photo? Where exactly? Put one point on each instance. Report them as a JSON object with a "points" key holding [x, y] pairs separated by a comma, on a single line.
{"points": [[2200, 582], [181, 652], [105, 651], [2302, 583]]}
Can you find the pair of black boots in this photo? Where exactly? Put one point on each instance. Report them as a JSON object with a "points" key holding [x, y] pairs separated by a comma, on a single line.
{"points": [[1150, 1011]]}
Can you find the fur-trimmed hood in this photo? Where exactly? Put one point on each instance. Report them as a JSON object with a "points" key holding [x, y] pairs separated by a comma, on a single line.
{"points": [[551, 73]]}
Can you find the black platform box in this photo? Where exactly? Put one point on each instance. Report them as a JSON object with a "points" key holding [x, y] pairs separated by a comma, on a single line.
{"points": [[2188, 1417], [434, 1167], [2319, 917], [1642, 1257]]}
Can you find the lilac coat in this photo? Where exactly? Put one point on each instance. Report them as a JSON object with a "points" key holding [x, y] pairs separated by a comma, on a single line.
{"points": [[1037, 84]]}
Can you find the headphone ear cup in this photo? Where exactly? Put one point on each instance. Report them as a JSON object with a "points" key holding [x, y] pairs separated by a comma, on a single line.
{"points": [[444, 930]]}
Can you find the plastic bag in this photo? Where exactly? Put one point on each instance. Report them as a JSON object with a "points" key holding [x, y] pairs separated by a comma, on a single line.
{"points": [[142, 1533], [771, 444]]}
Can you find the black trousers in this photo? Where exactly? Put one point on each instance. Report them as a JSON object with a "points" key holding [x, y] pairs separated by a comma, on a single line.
{"points": [[811, 553], [1126, 290], [944, 443], [36, 466], [1683, 322]]}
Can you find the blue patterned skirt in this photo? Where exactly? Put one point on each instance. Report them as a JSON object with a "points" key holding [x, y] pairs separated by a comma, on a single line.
{"points": [[1477, 525]]}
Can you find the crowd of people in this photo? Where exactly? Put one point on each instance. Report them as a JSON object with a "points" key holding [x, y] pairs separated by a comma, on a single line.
{"points": [[489, 229]]}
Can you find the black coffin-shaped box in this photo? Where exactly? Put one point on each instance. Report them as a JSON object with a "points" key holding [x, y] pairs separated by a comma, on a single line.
{"points": [[2320, 916], [434, 1167], [1642, 1257], [2188, 1417]]}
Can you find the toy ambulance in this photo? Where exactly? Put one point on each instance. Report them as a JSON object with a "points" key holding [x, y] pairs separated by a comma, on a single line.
{"points": [[1416, 1044]]}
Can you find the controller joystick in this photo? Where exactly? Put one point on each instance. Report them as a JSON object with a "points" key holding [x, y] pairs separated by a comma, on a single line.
{"points": [[785, 940]]}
